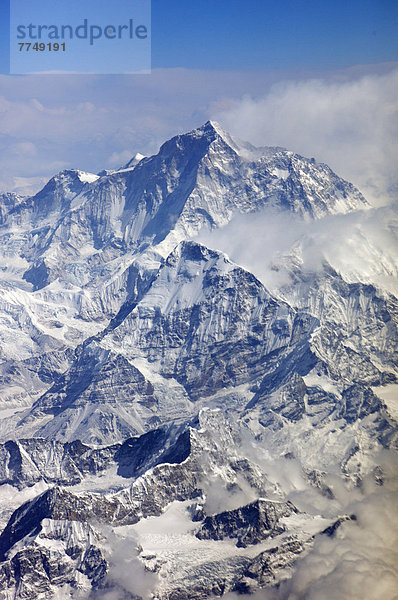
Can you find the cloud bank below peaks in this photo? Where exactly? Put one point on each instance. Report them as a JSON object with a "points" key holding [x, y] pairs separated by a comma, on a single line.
{"points": [[361, 246], [360, 560]]}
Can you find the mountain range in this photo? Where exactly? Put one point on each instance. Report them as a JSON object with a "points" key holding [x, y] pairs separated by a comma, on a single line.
{"points": [[171, 428]]}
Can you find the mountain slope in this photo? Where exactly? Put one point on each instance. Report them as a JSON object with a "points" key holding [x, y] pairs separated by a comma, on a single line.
{"points": [[169, 427]]}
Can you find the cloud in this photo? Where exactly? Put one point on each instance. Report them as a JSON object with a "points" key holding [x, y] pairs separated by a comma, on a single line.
{"points": [[26, 186], [221, 496], [126, 575], [360, 560], [351, 125], [23, 149], [361, 246]]}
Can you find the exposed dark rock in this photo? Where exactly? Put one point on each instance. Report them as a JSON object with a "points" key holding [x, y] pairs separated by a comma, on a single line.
{"points": [[250, 524]]}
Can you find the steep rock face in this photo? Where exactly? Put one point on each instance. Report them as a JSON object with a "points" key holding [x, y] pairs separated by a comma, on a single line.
{"points": [[208, 453], [207, 324], [8, 202], [23, 381], [39, 331], [199, 178], [41, 570], [66, 533], [90, 394], [53, 199], [249, 524], [357, 332], [270, 567], [26, 462], [328, 404], [182, 475], [75, 251], [198, 309], [114, 325], [204, 326], [60, 504], [358, 326], [102, 398]]}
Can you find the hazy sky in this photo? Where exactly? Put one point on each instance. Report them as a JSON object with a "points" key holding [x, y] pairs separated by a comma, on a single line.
{"points": [[316, 77]]}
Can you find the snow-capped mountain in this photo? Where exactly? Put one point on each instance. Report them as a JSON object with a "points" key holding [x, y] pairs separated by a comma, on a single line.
{"points": [[79, 222], [161, 406], [74, 254]]}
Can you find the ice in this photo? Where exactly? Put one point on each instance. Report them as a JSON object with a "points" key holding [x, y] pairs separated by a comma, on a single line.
{"points": [[87, 177]]}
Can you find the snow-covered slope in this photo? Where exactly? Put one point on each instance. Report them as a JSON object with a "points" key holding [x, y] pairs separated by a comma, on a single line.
{"points": [[169, 427], [73, 252], [202, 466], [200, 178]]}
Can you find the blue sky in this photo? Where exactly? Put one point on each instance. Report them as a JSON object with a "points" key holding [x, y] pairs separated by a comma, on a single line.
{"points": [[253, 34], [236, 34], [320, 78]]}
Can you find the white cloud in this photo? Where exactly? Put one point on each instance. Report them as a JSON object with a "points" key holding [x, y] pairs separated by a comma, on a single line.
{"points": [[219, 496], [127, 575], [362, 246], [26, 186], [23, 149], [360, 561], [351, 125]]}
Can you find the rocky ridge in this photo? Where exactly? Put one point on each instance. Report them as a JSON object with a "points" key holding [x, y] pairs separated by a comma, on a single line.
{"points": [[157, 397]]}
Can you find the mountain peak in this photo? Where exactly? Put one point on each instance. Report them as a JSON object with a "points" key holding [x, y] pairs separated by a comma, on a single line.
{"points": [[213, 130], [245, 150], [133, 161], [215, 127]]}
